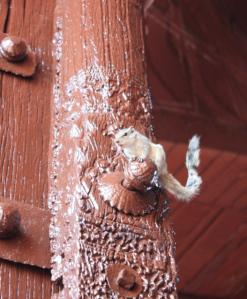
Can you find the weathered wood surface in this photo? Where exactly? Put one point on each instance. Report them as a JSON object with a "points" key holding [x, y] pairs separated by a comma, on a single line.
{"points": [[25, 133], [101, 86], [197, 70]]}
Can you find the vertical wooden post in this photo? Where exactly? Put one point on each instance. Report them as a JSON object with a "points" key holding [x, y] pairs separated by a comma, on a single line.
{"points": [[101, 86]]}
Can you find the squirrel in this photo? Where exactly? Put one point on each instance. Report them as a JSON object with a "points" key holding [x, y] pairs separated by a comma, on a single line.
{"points": [[137, 146]]}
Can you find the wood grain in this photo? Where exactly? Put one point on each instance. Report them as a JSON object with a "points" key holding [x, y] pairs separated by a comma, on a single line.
{"points": [[213, 240], [201, 217], [197, 70], [25, 133], [100, 87]]}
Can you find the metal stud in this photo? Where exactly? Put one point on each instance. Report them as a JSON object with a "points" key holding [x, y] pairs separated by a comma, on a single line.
{"points": [[126, 279], [13, 49], [9, 220]]}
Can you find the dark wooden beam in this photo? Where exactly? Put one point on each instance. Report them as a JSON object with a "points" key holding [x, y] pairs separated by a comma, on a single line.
{"points": [[178, 127], [188, 296]]}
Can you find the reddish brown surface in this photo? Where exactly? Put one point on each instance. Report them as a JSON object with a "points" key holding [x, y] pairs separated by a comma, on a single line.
{"points": [[131, 202], [100, 87], [24, 134], [197, 59], [197, 70], [197, 67], [10, 220], [124, 280], [26, 67], [29, 242]]}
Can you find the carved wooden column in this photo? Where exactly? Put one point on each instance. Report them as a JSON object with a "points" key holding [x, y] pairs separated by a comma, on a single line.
{"points": [[100, 86]]}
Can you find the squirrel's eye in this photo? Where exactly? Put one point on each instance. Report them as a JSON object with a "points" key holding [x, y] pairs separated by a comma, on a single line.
{"points": [[125, 134]]}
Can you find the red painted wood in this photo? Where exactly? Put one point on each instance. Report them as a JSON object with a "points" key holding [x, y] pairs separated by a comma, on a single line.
{"points": [[224, 179], [102, 47], [241, 201], [214, 173], [24, 134], [214, 135], [190, 224], [234, 190], [212, 70], [213, 240], [214, 271], [234, 269], [176, 158], [189, 296], [197, 70]]}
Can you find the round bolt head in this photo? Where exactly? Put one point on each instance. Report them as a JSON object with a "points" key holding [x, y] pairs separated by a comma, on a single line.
{"points": [[126, 279], [9, 220], [13, 49]]}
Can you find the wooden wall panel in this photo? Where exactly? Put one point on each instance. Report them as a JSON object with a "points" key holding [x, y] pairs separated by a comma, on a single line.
{"points": [[201, 218], [205, 61], [197, 70], [233, 265], [25, 133], [214, 239]]}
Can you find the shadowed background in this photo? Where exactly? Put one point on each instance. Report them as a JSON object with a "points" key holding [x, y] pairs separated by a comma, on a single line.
{"points": [[197, 72]]}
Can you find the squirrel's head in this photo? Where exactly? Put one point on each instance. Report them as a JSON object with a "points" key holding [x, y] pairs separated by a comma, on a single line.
{"points": [[125, 137]]}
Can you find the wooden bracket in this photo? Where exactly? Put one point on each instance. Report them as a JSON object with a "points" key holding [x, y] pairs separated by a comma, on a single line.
{"points": [[22, 64], [24, 234]]}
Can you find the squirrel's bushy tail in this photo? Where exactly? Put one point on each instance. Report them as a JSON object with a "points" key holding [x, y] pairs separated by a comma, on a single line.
{"points": [[192, 187]]}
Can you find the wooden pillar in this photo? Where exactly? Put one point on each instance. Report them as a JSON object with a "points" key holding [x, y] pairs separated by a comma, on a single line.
{"points": [[99, 87]]}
